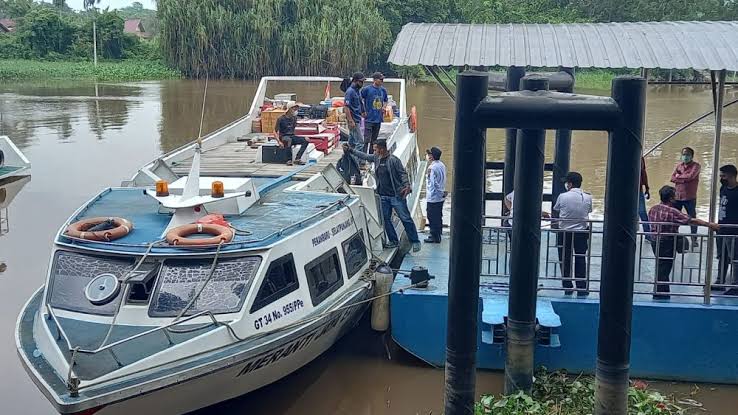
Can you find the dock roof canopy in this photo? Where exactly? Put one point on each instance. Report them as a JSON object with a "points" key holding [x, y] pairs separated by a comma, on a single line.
{"points": [[666, 45]]}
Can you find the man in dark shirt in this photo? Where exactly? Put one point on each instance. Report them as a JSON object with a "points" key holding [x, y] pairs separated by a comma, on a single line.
{"points": [[393, 186], [285, 133], [375, 99], [354, 109], [726, 236], [644, 193]]}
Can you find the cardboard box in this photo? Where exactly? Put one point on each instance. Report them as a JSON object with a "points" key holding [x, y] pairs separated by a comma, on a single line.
{"points": [[269, 119]]}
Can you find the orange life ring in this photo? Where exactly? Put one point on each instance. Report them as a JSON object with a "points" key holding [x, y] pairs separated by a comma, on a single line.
{"points": [[413, 120], [179, 235], [81, 229]]}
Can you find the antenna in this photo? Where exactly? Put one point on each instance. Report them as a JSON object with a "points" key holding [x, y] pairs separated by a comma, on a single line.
{"points": [[202, 113]]}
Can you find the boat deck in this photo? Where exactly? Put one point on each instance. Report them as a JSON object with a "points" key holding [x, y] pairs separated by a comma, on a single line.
{"points": [[239, 160], [7, 171], [274, 217]]}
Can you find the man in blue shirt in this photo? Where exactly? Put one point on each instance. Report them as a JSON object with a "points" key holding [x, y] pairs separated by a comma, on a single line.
{"points": [[354, 110], [435, 194], [375, 99]]}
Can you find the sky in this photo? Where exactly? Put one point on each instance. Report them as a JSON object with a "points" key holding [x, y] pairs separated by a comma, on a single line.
{"points": [[113, 4]]}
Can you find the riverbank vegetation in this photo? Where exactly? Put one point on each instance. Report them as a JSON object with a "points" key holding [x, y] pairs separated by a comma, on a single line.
{"points": [[125, 70], [558, 394], [52, 41], [250, 38]]}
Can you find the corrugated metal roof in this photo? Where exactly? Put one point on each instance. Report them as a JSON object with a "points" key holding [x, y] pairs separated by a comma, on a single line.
{"points": [[667, 45]]}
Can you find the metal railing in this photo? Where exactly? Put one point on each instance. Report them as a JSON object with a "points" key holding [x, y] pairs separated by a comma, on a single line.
{"points": [[681, 263]]}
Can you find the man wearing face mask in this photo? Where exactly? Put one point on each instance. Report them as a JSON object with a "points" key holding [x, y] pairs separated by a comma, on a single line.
{"points": [[354, 110], [574, 207], [435, 194], [686, 178], [726, 237], [284, 131]]}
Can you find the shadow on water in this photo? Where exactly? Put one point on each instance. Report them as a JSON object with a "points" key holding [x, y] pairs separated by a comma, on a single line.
{"points": [[81, 141]]}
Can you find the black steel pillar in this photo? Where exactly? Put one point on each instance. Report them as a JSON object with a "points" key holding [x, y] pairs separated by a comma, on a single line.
{"points": [[562, 152], [514, 75], [526, 244], [618, 248], [466, 245]]}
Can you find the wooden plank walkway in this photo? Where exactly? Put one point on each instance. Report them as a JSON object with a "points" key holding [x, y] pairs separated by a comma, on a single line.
{"points": [[239, 160]]}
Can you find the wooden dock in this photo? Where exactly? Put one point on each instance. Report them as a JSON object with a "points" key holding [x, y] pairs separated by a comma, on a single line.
{"points": [[239, 160]]}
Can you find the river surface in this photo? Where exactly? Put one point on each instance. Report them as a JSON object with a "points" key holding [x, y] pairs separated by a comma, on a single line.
{"points": [[82, 137]]}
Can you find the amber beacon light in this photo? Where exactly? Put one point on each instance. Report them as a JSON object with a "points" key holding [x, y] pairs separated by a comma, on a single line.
{"points": [[217, 189], [162, 188]]}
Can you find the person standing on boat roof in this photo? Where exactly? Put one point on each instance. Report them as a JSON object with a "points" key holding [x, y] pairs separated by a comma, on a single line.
{"points": [[353, 106], [435, 194], [285, 132], [375, 98], [665, 219], [726, 236], [574, 207], [393, 186], [686, 177], [644, 193]]}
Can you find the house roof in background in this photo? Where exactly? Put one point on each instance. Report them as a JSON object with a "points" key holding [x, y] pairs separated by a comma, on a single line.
{"points": [[133, 26], [7, 25], [667, 45]]}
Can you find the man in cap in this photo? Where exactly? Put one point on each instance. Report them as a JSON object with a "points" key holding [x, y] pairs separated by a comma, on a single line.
{"points": [[285, 132], [354, 110], [375, 98], [435, 194], [574, 207]]}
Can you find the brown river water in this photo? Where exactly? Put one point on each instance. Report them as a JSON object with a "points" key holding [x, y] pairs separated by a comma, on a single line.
{"points": [[81, 138]]}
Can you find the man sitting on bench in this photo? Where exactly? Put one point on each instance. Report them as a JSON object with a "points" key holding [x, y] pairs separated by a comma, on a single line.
{"points": [[285, 133]]}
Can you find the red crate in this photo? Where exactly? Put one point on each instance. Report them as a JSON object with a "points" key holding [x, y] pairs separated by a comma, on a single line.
{"points": [[325, 141]]}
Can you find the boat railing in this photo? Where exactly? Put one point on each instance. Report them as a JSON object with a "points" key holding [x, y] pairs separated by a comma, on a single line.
{"points": [[681, 258]]}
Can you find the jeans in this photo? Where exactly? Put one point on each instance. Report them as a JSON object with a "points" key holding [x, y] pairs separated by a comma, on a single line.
{"points": [[400, 207], [664, 261], [643, 214], [295, 140], [435, 219], [371, 134], [727, 255], [691, 207], [578, 242], [356, 140]]}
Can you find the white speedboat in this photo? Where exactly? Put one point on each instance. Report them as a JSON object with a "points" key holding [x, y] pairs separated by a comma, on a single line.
{"points": [[136, 310], [12, 161]]}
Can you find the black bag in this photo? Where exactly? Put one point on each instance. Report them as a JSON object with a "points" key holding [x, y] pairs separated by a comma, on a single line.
{"points": [[319, 112]]}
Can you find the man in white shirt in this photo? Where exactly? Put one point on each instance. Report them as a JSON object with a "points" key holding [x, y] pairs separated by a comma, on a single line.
{"points": [[574, 207]]}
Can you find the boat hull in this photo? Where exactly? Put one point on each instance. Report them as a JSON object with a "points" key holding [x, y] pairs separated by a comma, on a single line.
{"points": [[181, 391]]}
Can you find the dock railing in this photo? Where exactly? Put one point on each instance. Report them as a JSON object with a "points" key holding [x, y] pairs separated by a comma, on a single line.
{"points": [[680, 258]]}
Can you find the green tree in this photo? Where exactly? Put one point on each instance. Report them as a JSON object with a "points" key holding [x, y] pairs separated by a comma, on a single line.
{"points": [[44, 31], [15, 8], [111, 41]]}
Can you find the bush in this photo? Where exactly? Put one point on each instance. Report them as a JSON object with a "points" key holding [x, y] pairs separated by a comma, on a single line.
{"points": [[43, 31], [12, 48], [143, 50]]}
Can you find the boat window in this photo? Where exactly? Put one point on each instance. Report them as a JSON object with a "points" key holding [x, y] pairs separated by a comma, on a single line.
{"points": [[324, 276], [280, 280], [72, 273], [222, 292], [354, 254]]}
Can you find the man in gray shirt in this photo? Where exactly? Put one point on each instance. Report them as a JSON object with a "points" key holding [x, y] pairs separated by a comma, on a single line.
{"points": [[572, 240]]}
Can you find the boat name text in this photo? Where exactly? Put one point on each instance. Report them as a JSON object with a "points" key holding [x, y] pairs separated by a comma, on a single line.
{"points": [[294, 346], [332, 232]]}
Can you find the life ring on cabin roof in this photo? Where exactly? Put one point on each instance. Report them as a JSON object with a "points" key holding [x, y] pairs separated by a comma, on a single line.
{"points": [[413, 120], [81, 229], [179, 235]]}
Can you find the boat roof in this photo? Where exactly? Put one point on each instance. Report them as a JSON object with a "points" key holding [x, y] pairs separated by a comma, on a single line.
{"points": [[277, 215]]}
